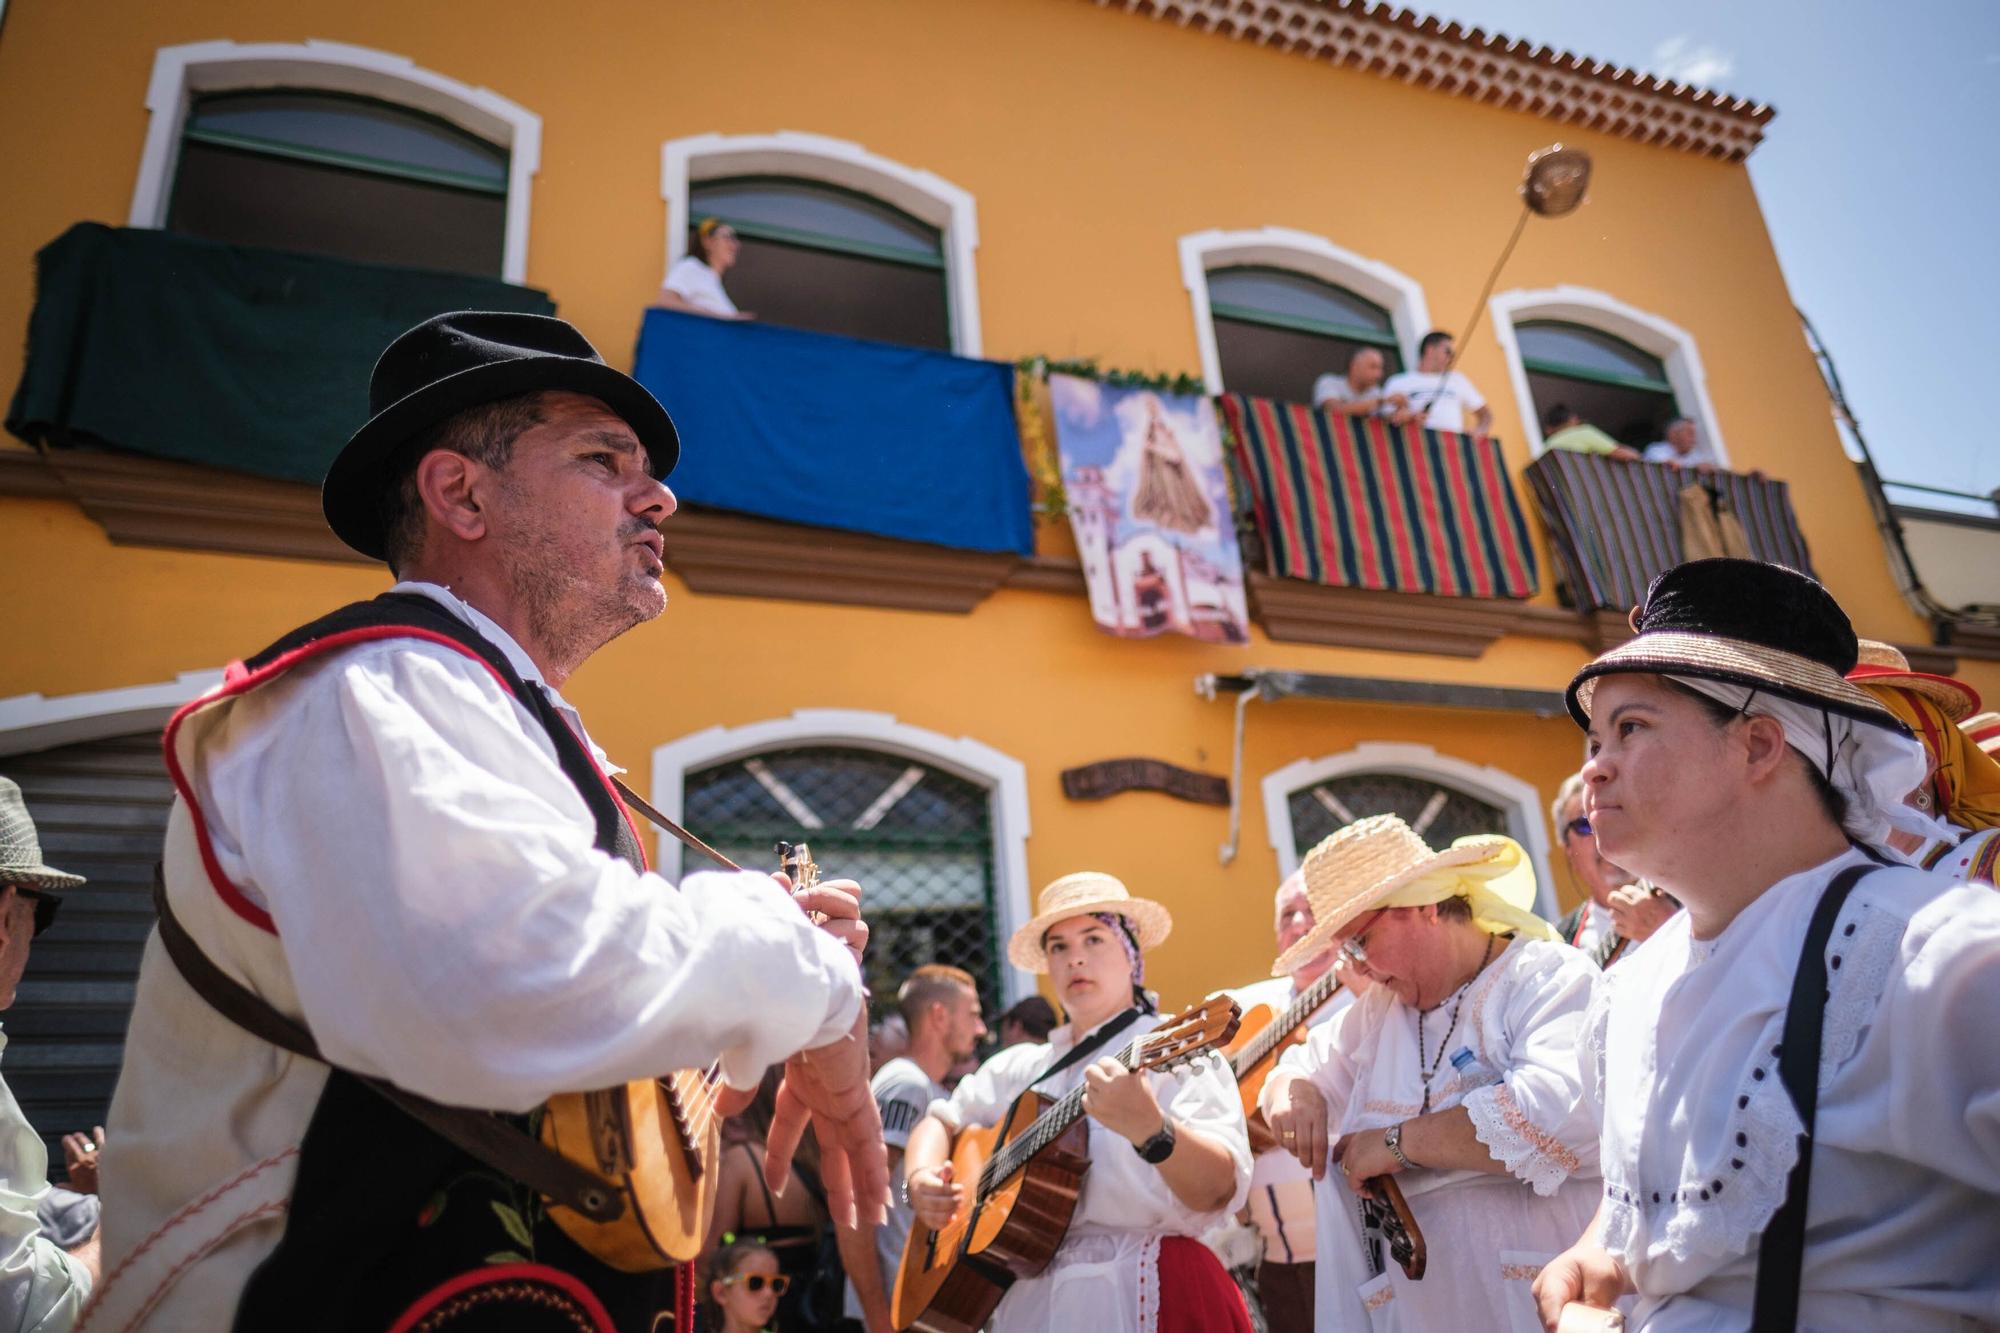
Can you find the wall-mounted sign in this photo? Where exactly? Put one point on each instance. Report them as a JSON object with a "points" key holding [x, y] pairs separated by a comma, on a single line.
{"points": [[1108, 777]]}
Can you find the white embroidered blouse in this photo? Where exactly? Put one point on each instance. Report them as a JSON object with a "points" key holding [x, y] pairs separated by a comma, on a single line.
{"points": [[1903, 1225]]}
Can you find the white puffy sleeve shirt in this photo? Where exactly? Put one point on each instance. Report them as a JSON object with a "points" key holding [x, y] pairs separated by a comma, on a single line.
{"points": [[41, 1287], [1903, 1220], [448, 922]]}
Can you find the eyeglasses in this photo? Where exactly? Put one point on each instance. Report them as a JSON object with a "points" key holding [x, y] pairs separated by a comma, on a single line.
{"points": [[45, 905], [756, 1282], [1579, 826], [1352, 946]]}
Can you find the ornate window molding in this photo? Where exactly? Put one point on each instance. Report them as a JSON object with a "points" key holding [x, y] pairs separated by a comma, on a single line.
{"points": [[1523, 804], [1002, 775], [179, 72], [1302, 252], [921, 194], [1598, 310]]}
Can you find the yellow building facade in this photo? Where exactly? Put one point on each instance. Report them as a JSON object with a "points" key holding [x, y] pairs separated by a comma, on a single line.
{"points": [[1085, 165]]}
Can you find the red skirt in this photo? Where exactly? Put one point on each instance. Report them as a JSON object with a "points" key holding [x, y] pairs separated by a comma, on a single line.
{"points": [[1196, 1295]]}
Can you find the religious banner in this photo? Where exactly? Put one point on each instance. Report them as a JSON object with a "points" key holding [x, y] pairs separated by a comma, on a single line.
{"points": [[1149, 503]]}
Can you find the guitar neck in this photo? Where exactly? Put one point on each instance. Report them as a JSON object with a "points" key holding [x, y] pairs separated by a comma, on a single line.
{"points": [[1049, 1126], [1282, 1026]]}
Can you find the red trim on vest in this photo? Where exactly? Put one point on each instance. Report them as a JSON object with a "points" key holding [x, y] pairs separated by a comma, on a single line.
{"points": [[645, 860], [238, 680], [478, 1277]]}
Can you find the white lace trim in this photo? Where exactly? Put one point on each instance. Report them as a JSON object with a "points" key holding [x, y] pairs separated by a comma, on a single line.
{"points": [[1535, 1157], [1721, 1212], [1149, 1286]]}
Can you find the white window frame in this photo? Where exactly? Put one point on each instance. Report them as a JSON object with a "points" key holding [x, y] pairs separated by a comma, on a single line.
{"points": [[30, 722], [1304, 253], [1003, 776], [927, 197], [1521, 802], [180, 72], [1672, 344]]}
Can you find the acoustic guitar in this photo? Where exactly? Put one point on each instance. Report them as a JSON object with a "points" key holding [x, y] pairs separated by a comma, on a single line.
{"points": [[655, 1144], [1266, 1034], [1028, 1172]]}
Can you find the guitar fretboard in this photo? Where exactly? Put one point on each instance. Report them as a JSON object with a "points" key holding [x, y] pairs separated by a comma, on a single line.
{"points": [[1281, 1027], [1048, 1127]]}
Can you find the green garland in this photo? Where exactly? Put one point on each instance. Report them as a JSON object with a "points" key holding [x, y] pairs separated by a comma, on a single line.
{"points": [[1043, 462], [1042, 366]]}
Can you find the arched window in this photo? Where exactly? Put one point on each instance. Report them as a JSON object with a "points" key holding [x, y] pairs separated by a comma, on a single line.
{"points": [[1442, 798], [918, 838], [1613, 385], [818, 256], [338, 174], [1276, 331]]}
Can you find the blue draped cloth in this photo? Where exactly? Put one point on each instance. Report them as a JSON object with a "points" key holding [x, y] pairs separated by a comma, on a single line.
{"points": [[839, 432]]}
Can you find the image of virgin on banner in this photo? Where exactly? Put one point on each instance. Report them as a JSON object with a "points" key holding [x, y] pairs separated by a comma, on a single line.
{"points": [[1149, 503]]}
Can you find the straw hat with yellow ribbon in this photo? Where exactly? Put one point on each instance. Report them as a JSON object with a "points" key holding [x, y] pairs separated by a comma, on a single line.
{"points": [[1082, 894], [1884, 664], [1985, 732], [1381, 862], [1964, 782]]}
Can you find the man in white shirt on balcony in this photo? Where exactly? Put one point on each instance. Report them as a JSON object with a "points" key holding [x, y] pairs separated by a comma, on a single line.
{"points": [[1683, 447], [1439, 396], [1359, 392]]}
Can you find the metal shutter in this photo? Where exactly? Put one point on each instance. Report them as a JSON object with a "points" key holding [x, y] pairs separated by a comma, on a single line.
{"points": [[101, 810]]}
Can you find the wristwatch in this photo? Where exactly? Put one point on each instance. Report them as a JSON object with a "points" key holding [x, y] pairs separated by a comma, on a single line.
{"points": [[1393, 1140], [1158, 1148]]}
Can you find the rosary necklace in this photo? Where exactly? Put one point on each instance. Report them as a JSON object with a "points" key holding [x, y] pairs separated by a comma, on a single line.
{"points": [[1426, 1067]]}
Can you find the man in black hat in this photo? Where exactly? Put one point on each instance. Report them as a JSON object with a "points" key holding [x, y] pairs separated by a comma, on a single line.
{"points": [[1796, 1079], [394, 831], [41, 1286]]}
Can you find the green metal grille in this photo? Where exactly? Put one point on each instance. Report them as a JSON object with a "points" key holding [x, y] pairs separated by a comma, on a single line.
{"points": [[917, 839], [1438, 813]]}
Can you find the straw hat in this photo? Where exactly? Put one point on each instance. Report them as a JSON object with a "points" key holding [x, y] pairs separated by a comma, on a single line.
{"points": [[1357, 867], [20, 847], [1884, 664], [1748, 622], [1081, 894], [1985, 732]]}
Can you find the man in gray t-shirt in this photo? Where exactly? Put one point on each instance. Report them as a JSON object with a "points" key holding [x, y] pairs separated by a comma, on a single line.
{"points": [[941, 1006]]}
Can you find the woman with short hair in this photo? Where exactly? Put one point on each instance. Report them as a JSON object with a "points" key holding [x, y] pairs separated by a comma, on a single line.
{"points": [[1456, 1074], [1797, 1077]]}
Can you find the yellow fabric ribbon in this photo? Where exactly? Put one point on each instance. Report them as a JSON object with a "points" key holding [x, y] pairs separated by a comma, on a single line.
{"points": [[1501, 890], [1965, 780]]}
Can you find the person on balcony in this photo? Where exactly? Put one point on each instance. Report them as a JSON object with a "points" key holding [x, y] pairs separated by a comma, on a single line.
{"points": [[1359, 392], [1437, 396], [1962, 789], [1615, 913], [1563, 427], [1683, 447], [694, 283], [1733, 763], [1457, 1073]]}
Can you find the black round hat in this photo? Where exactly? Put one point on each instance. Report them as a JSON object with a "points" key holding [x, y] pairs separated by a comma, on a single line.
{"points": [[461, 360], [1744, 621]]}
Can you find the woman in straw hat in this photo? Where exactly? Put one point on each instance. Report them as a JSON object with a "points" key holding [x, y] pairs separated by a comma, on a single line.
{"points": [[1963, 786], [1809, 994], [1169, 1153], [1456, 1072]]}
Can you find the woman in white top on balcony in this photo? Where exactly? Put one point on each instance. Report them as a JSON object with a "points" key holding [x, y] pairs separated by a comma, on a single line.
{"points": [[1169, 1152], [694, 283], [1456, 1073], [1731, 764]]}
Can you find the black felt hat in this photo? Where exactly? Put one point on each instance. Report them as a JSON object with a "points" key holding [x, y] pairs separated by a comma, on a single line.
{"points": [[466, 359], [1764, 626]]}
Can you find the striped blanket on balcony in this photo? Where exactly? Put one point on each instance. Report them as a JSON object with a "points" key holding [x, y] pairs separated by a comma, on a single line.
{"points": [[1614, 525], [1359, 503]]}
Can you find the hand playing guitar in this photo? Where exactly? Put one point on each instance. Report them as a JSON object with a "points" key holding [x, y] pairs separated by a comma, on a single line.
{"points": [[830, 1084]]}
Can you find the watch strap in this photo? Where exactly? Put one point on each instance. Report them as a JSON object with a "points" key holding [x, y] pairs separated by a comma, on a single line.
{"points": [[1392, 1138], [1160, 1147]]}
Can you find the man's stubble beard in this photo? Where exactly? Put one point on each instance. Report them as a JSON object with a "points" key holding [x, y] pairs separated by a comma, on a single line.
{"points": [[570, 615]]}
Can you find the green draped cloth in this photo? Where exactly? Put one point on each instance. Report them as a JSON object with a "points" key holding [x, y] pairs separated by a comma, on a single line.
{"points": [[230, 355]]}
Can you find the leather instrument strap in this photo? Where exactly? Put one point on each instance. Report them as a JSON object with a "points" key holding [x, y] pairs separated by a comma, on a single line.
{"points": [[485, 1136]]}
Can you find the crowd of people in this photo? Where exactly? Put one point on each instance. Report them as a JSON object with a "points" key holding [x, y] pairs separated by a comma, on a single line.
{"points": [[1741, 1085]]}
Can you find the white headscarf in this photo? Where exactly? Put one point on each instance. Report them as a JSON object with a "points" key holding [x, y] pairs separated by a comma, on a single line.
{"points": [[1874, 768]]}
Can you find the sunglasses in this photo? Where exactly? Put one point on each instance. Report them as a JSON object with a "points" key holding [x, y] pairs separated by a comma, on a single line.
{"points": [[1580, 826], [45, 906], [1352, 946], [754, 1283]]}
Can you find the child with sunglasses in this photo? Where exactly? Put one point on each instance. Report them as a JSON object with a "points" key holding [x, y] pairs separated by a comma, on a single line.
{"points": [[744, 1285]]}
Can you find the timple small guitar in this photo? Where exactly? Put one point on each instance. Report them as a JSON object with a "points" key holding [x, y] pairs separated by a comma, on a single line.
{"points": [[1265, 1034], [1026, 1174]]}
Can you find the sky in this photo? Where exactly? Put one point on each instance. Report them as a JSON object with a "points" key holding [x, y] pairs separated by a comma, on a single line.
{"points": [[1879, 177]]}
